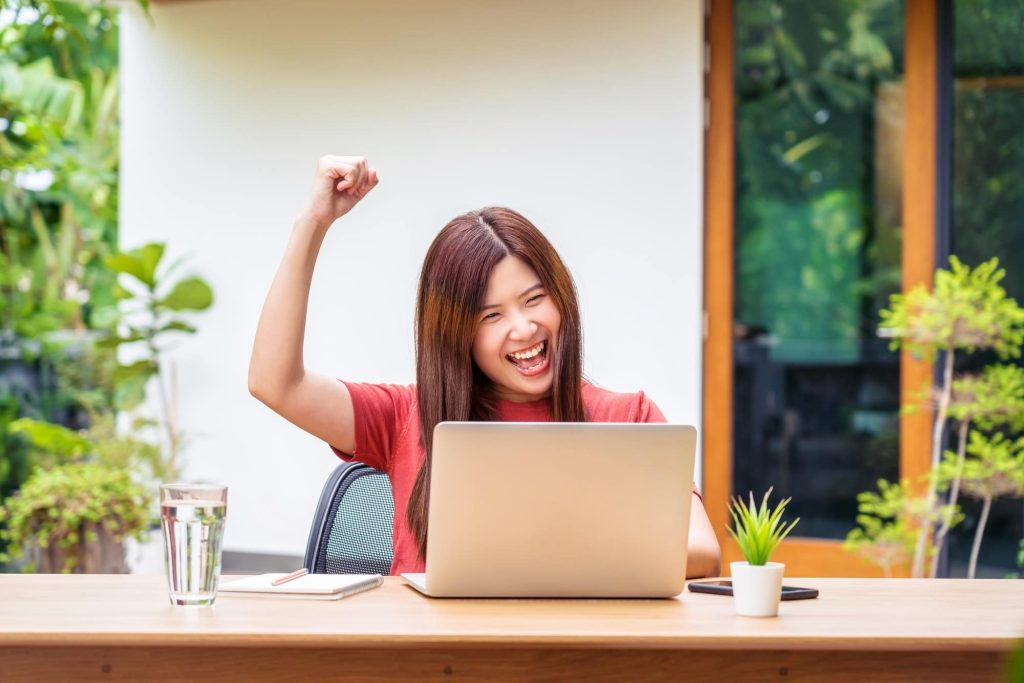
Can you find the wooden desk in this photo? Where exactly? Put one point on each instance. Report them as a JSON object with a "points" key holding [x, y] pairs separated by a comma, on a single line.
{"points": [[112, 628]]}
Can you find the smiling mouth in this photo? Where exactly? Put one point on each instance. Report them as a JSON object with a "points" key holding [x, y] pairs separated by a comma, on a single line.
{"points": [[532, 361]]}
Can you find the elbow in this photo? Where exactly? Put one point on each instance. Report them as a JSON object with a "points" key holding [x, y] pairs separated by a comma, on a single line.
{"points": [[703, 565], [714, 558], [254, 388], [715, 564], [269, 391], [258, 388], [705, 559]]}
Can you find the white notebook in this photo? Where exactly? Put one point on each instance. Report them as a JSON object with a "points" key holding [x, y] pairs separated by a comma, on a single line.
{"points": [[309, 587]]}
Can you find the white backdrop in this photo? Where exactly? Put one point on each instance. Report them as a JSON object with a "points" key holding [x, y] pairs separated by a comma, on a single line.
{"points": [[585, 116]]}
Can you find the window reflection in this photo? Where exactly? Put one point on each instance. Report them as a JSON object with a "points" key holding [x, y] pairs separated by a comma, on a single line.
{"points": [[988, 209], [819, 130]]}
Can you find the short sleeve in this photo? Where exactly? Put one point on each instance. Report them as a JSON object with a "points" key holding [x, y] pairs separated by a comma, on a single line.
{"points": [[649, 412], [381, 413]]}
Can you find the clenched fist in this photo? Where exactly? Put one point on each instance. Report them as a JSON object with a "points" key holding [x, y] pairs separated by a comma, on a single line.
{"points": [[339, 184]]}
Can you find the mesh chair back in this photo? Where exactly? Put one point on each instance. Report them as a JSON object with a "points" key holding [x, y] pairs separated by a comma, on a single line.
{"points": [[351, 532]]}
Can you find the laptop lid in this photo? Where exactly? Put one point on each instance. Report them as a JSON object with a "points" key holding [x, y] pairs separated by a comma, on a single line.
{"points": [[559, 509]]}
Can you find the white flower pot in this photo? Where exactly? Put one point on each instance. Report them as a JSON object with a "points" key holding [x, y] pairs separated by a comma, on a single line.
{"points": [[757, 589]]}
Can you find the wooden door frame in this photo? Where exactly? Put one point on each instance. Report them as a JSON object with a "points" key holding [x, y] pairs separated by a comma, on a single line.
{"points": [[808, 556]]}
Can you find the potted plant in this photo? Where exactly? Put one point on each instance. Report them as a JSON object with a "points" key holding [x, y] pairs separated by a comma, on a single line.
{"points": [[74, 518], [966, 311], [131, 458], [757, 583]]}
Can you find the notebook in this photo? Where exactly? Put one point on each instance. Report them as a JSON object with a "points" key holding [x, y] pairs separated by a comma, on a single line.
{"points": [[308, 587]]}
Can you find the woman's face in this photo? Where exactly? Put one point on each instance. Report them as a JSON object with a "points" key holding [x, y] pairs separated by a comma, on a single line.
{"points": [[516, 332]]}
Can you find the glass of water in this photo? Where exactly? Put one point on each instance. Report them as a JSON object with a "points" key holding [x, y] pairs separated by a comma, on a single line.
{"points": [[192, 518]]}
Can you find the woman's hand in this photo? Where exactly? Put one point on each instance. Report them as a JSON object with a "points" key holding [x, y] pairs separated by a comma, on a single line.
{"points": [[339, 184]]}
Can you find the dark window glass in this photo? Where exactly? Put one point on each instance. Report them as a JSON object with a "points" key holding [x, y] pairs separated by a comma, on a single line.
{"points": [[819, 123], [988, 209]]}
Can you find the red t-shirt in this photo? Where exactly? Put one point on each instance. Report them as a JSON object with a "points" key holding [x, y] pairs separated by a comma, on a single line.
{"points": [[387, 438]]}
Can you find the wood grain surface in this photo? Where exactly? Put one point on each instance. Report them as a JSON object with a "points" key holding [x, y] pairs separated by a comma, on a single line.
{"points": [[106, 627]]}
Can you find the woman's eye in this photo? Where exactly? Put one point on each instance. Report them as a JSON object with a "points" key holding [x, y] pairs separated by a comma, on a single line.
{"points": [[534, 298], [490, 316]]}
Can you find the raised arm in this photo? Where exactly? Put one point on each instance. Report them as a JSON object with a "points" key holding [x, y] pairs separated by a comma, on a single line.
{"points": [[277, 374]]}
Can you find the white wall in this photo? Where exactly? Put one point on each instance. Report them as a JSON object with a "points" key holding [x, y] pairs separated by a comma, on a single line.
{"points": [[583, 115]]}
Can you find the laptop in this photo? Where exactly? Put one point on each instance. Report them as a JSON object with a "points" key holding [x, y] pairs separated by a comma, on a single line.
{"points": [[558, 510]]}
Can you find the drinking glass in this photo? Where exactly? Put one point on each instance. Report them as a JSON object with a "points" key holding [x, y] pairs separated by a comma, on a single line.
{"points": [[192, 517]]}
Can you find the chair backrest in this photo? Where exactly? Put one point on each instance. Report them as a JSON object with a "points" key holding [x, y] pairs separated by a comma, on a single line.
{"points": [[351, 532]]}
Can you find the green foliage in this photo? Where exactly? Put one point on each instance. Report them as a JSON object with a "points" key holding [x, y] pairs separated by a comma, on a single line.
{"points": [[813, 261], [884, 536], [888, 524], [988, 36], [190, 294], [1013, 670], [61, 303], [149, 307], [812, 305], [58, 94], [15, 460], [988, 145], [52, 441], [64, 504], [93, 378], [36, 88], [136, 450], [990, 399], [140, 263], [994, 467], [968, 309], [758, 530]]}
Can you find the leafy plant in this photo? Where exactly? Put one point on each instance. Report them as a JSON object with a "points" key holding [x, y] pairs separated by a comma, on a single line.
{"points": [[59, 296], [889, 520], [54, 443], [992, 399], [71, 505], [58, 197], [758, 530], [151, 307], [995, 470], [967, 310]]}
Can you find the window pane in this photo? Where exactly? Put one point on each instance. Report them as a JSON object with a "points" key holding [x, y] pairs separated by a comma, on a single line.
{"points": [[819, 152], [988, 207]]}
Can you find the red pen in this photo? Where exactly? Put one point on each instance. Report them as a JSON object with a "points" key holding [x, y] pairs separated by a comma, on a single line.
{"points": [[288, 577]]}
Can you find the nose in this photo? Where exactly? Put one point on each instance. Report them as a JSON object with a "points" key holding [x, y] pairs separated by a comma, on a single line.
{"points": [[523, 328]]}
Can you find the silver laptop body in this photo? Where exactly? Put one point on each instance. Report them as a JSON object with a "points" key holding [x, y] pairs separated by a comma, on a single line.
{"points": [[567, 510]]}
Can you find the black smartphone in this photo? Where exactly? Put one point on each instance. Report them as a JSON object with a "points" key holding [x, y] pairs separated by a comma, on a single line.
{"points": [[725, 588]]}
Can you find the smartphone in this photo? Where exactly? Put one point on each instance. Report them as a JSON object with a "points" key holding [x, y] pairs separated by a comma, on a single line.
{"points": [[725, 588]]}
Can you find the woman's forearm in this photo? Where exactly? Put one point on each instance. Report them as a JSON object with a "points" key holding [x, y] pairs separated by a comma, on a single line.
{"points": [[277, 361], [702, 561], [704, 555]]}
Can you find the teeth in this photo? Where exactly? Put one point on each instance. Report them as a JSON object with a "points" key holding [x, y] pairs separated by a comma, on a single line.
{"points": [[528, 354]]}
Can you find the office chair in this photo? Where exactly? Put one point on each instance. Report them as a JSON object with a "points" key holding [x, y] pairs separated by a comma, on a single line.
{"points": [[351, 532]]}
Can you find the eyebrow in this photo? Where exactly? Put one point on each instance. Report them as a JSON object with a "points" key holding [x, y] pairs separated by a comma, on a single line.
{"points": [[536, 286]]}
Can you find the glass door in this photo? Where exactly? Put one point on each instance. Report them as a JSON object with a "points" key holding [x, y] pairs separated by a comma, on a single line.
{"points": [[804, 238], [987, 214]]}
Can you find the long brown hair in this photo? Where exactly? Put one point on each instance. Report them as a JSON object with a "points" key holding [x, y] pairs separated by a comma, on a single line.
{"points": [[453, 283]]}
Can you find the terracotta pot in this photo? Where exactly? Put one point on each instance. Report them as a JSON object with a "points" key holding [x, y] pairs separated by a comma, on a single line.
{"points": [[105, 555]]}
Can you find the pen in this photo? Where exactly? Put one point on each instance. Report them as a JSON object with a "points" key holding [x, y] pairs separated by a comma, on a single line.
{"points": [[288, 577]]}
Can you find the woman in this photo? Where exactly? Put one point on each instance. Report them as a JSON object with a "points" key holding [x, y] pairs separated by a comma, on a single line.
{"points": [[498, 337]]}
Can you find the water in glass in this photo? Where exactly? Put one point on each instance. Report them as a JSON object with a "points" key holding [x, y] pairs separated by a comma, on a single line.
{"points": [[193, 531]]}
